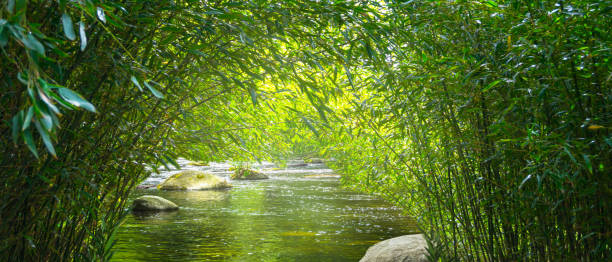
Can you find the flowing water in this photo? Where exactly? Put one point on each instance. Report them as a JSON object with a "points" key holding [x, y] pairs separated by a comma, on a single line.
{"points": [[292, 216]]}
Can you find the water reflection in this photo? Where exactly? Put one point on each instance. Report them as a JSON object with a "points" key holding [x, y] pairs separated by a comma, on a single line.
{"points": [[286, 218]]}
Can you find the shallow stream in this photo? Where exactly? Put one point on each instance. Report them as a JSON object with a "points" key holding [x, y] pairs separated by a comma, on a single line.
{"points": [[292, 216]]}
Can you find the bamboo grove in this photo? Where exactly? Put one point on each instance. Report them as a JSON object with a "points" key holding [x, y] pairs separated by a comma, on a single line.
{"points": [[488, 121], [493, 127]]}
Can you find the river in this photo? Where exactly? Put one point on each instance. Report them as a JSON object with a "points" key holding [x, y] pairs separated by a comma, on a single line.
{"points": [[292, 216]]}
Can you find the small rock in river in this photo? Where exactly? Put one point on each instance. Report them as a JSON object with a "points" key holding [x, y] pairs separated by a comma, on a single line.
{"points": [[247, 174], [153, 203]]}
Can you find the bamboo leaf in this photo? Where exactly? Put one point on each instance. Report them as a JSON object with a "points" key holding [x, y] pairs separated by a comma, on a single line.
{"points": [[172, 161], [47, 121], [101, 15], [524, 180], [3, 33], [310, 126], [491, 3], [46, 139], [29, 141], [75, 99], [587, 161], [82, 35], [253, 95], [68, 27], [15, 123], [33, 44], [10, 6], [136, 83], [28, 118], [491, 85], [153, 90]]}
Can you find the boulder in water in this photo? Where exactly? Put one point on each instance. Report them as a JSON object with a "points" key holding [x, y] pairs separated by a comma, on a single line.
{"points": [[193, 180], [198, 163], [149, 203], [247, 174], [408, 248]]}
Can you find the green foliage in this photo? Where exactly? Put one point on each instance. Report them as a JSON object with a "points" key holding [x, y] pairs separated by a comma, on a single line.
{"points": [[491, 124], [487, 120], [157, 79]]}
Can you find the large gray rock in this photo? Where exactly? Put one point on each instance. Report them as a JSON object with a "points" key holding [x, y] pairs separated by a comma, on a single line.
{"points": [[152, 203], [408, 248], [193, 180]]}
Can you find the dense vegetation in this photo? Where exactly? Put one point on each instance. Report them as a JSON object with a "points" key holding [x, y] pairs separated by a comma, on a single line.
{"points": [[489, 121], [493, 127]]}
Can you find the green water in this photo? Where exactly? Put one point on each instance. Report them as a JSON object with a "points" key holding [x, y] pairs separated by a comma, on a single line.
{"points": [[286, 218]]}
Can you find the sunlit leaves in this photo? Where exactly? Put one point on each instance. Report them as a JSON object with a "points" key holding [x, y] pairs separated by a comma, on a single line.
{"points": [[308, 124]]}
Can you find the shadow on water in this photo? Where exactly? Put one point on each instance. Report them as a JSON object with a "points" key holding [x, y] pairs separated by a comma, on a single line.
{"points": [[285, 218]]}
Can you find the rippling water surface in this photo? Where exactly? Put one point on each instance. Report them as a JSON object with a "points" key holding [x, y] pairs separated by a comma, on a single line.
{"points": [[289, 217]]}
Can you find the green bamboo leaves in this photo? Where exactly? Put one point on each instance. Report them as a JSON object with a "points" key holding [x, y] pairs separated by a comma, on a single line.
{"points": [[148, 85], [310, 126], [468, 114], [491, 85], [43, 114]]}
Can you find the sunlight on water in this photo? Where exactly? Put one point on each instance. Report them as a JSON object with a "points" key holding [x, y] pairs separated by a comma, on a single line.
{"points": [[289, 217]]}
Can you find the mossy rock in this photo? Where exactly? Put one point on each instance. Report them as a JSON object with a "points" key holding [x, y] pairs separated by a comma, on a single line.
{"points": [[149, 203], [193, 180], [198, 163], [247, 174]]}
